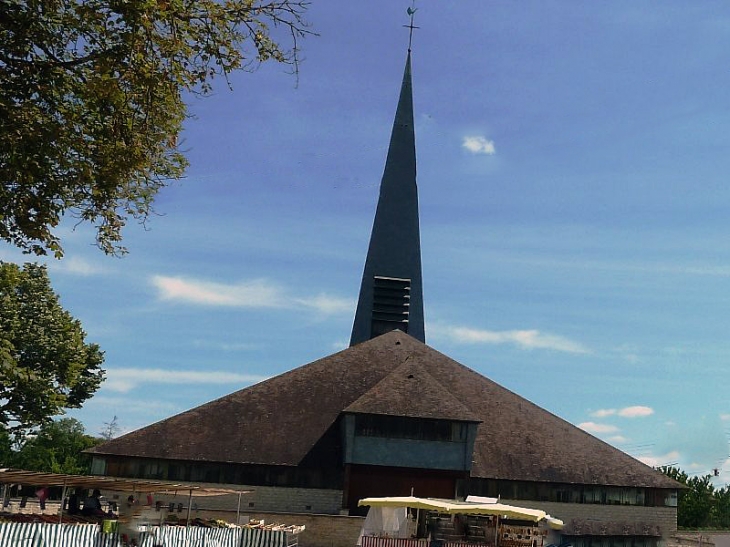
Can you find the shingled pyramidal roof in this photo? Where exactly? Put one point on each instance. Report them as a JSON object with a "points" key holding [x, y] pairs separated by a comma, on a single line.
{"points": [[280, 421]]}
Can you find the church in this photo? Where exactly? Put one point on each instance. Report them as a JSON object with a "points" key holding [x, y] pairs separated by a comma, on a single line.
{"points": [[391, 416]]}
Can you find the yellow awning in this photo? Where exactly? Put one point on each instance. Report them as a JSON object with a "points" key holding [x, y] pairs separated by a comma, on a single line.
{"points": [[407, 501], [460, 507], [553, 523], [502, 510]]}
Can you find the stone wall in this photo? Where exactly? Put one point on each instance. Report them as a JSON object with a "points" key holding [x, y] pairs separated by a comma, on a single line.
{"points": [[320, 530], [664, 517], [318, 509], [343, 531], [292, 500], [264, 498]]}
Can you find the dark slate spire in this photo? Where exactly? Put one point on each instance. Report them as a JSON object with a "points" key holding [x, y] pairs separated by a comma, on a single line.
{"points": [[391, 294]]}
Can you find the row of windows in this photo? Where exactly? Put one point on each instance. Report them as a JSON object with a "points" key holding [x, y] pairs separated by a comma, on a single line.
{"points": [[399, 427], [252, 475], [303, 477], [603, 495], [612, 541]]}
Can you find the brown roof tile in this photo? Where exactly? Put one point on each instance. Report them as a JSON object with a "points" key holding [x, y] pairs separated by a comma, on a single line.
{"points": [[411, 391], [279, 420]]}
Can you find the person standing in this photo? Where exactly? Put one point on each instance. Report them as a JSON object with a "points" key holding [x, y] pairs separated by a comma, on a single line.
{"points": [[92, 504]]}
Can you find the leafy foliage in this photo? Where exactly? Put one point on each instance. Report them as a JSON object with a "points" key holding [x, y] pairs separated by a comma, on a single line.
{"points": [[45, 363], [56, 447], [6, 448], [700, 505], [91, 101]]}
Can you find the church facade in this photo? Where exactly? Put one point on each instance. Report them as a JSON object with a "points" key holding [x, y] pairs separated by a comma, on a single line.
{"points": [[392, 416]]}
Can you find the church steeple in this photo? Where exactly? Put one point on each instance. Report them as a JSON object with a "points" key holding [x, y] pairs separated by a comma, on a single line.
{"points": [[391, 293]]}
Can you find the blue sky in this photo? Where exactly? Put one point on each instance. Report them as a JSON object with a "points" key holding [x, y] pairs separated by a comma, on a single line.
{"points": [[573, 181]]}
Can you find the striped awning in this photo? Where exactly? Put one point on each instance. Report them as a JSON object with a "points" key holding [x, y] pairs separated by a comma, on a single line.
{"points": [[213, 537], [25, 534]]}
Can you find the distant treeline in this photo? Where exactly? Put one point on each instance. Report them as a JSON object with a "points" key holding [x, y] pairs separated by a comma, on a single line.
{"points": [[700, 505]]}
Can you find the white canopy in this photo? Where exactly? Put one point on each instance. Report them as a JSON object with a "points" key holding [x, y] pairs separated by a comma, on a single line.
{"points": [[461, 507], [430, 504]]}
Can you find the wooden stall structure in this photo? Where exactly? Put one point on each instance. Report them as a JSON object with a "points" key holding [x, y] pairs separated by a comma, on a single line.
{"points": [[142, 525], [409, 521]]}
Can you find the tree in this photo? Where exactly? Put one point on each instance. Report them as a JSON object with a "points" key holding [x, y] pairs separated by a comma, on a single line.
{"points": [[722, 505], [45, 364], [696, 503], [92, 101], [110, 429], [57, 447], [6, 448]]}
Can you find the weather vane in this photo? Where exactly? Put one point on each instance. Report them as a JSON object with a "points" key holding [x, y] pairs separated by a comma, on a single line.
{"points": [[411, 12]]}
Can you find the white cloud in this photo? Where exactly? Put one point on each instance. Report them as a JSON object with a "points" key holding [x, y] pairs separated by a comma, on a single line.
{"points": [[478, 145], [602, 413], [628, 353], [593, 427], [257, 293], [527, 339], [328, 304], [670, 458], [725, 417], [76, 266], [635, 412], [618, 439], [123, 380], [134, 405], [69, 264], [223, 346], [626, 412]]}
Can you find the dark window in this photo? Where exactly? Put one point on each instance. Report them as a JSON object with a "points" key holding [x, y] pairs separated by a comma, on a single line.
{"points": [[568, 493], [611, 541], [399, 427]]}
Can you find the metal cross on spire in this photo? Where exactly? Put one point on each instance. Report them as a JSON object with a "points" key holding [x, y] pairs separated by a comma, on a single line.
{"points": [[411, 12]]}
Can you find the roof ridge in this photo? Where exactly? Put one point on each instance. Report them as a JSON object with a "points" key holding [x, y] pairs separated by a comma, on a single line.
{"points": [[414, 392]]}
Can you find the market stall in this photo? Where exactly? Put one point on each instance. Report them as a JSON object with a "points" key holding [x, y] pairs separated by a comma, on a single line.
{"points": [[409, 521], [136, 487], [137, 519]]}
